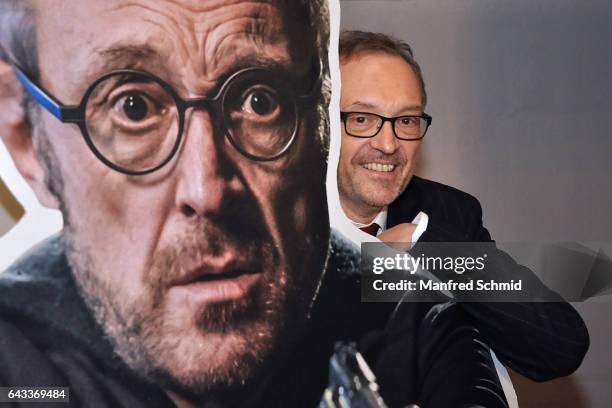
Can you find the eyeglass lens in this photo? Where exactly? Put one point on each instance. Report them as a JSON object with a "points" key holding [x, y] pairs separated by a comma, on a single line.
{"points": [[132, 121], [260, 115], [368, 125]]}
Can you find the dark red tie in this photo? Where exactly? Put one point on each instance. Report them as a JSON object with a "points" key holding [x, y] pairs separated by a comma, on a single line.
{"points": [[371, 229]]}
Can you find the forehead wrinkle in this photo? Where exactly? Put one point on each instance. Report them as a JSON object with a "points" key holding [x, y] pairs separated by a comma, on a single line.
{"points": [[181, 51], [205, 29], [175, 20], [204, 39], [222, 50], [246, 21], [199, 6]]}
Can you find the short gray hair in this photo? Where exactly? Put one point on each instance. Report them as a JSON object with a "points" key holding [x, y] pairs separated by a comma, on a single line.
{"points": [[18, 35]]}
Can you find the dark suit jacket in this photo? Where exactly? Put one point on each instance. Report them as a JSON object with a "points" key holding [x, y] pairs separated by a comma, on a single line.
{"points": [[539, 340], [430, 356]]}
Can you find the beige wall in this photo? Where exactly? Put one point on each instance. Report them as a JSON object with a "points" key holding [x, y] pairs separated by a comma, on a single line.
{"points": [[10, 209]]}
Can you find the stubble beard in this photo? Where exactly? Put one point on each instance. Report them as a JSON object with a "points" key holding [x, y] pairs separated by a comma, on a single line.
{"points": [[222, 348], [369, 195], [150, 343]]}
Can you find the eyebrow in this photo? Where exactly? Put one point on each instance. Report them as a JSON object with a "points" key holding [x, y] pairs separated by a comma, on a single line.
{"points": [[122, 56], [368, 105], [249, 61], [122, 53]]}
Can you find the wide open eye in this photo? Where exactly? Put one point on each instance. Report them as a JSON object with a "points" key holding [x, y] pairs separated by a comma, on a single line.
{"points": [[135, 106], [260, 113], [132, 103], [261, 103], [138, 108], [132, 120]]}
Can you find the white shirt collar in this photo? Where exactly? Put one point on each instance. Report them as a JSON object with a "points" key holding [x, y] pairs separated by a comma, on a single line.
{"points": [[380, 219]]}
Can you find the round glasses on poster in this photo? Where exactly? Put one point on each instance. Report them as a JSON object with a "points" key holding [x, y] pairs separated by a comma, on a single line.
{"points": [[134, 121]]}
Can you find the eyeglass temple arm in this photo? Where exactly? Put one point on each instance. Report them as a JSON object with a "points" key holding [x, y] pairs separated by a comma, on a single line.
{"points": [[312, 94], [64, 113]]}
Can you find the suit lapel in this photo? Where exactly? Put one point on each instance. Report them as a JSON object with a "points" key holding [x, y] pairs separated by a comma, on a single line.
{"points": [[407, 205]]}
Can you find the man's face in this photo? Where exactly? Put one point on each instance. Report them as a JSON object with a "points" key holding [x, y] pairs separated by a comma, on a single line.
{"points": [[386, 85], [200, 271]]}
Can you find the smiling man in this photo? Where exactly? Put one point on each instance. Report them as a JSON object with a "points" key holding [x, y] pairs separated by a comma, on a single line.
{"points": [[384, 122], [373, 171]]}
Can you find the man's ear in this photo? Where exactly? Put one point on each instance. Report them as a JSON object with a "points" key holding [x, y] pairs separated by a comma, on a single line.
{"points": [[16, 133]]}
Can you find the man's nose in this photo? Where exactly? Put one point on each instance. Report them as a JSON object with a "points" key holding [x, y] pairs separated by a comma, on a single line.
{"points": [[206, 172], [385, 139]]}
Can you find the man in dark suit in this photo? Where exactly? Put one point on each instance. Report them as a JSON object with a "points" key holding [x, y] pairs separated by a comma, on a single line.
{"points": [[382, 109]]}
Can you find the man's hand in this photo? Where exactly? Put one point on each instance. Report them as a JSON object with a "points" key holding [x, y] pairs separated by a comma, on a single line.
{"points": [[401, 235]]}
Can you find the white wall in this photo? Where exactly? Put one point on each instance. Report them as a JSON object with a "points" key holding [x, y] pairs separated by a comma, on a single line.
{"points": [[37, 223]]}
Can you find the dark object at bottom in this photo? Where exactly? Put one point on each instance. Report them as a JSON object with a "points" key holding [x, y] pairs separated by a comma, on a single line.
{"points": [[351, 382]]}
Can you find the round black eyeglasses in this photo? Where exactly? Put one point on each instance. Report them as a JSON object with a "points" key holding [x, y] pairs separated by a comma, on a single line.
{"points": [[133, 121], [366, 125]]}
